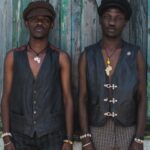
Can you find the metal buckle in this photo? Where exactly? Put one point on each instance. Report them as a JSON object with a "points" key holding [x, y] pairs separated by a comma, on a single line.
{"points": [[109, 114], [113, 86], [113, 100]]}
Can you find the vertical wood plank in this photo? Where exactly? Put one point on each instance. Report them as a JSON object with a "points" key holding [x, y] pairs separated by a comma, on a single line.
{"points": [[55, 35], [88, 26], [148, 64], [65, 28], [138, 25], [20, 33], [5, 33]]}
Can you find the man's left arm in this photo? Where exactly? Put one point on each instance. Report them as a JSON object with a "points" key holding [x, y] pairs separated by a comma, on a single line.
{"points": [[141, 98], [65, 69]]}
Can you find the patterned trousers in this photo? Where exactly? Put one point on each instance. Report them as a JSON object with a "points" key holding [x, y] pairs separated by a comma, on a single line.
{"points": [[52, 141], [112, 137]]}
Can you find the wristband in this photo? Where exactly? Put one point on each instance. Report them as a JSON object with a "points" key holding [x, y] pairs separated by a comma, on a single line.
{"points": [[138, 140], [6, 134], [68, 141], [85, 136]]}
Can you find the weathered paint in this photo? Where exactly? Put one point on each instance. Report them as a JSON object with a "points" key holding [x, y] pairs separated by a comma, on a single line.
{"points": [[5, 33], [76, 26]]}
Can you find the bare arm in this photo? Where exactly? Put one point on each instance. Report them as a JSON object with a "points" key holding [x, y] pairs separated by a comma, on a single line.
{"points": [[83, 94], [141, 116], [83, 98], [66, 87], [141, 98], [7, 84]]}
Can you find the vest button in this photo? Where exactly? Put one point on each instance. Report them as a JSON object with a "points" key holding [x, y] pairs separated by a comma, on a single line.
{"points": [[34, 102], [34, 91], [34, 112], [34, 122]]}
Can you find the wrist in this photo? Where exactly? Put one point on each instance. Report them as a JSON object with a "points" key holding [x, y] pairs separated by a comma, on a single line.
{"points": [[6, 139], [70, 142], [139, 140]]}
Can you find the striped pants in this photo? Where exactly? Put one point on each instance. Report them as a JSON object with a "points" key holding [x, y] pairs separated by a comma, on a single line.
{"points": [[112, 137]]}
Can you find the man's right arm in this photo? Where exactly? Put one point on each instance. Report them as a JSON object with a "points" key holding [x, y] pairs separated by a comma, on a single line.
{"points": [[7, 84], [83, 98]]}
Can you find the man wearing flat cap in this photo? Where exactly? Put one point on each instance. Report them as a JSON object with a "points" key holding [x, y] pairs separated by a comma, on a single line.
{"points": [[112, 85], [37, 108]]}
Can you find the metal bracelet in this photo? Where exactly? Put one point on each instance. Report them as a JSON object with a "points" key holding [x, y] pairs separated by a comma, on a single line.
{"points": [[86, 144]]}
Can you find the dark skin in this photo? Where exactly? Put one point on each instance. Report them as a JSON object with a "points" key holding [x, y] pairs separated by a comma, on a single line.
{"points": [[39, 28], [112, 23]]}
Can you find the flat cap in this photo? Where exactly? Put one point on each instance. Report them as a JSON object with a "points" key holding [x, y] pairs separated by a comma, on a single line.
{"points": [[39, 8], [123, 5]]}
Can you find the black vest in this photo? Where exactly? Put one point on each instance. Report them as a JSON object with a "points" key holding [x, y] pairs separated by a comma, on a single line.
{"points": [[121, 105], [36, 104]]}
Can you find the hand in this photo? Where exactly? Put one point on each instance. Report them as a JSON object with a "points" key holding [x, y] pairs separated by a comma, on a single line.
{"points": [[9, 147], [89, 147], [67, 146], [136, 146]]}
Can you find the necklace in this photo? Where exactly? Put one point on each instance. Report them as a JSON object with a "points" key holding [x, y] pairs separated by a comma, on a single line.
{"points": [[37, 57], [108, 69]]}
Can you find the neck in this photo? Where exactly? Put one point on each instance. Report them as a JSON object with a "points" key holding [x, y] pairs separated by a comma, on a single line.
{"points": [[111, 43], [38, 45]]}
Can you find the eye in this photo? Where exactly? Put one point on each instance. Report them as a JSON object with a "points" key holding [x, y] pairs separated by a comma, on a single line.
{"points": [[106, 17]]}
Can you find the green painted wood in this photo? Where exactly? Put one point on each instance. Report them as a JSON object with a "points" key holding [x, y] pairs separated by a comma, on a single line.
{"points": [[65, 27], [138, 26], [148, 63], [5, 33], [76, 26], [55, 37], [88, 26]]}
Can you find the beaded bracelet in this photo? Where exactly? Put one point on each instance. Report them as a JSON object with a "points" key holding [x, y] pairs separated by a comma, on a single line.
{"points": [[138, 140], [6, 134], [85, 136], [68, 141]]}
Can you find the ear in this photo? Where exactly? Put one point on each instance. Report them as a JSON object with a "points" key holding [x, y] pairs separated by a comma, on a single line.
{"points": [[52, 25]]}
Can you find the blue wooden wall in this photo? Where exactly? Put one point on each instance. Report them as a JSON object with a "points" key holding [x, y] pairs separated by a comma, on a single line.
{"points": [[76, 26]]}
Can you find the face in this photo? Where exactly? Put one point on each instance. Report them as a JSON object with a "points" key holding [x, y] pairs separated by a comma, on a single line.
{"points": [[39, 26], [112, 22]]}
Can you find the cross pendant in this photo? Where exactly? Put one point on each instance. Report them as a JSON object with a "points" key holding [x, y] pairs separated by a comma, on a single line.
{"points": [[108, 70], [37, 59]]}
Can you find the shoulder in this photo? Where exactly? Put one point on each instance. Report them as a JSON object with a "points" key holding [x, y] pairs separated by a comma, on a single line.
{"points": [[131, 46], [92, 47], [63, 56], [18, 49], [10, 53]]}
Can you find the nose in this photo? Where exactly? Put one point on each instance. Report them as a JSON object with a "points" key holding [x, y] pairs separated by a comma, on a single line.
{"points": [[39, 21], [112, 21]]}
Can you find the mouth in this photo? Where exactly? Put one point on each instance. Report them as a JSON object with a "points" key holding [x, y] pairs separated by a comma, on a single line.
{"points": [[39, 29], [111, 29]]}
